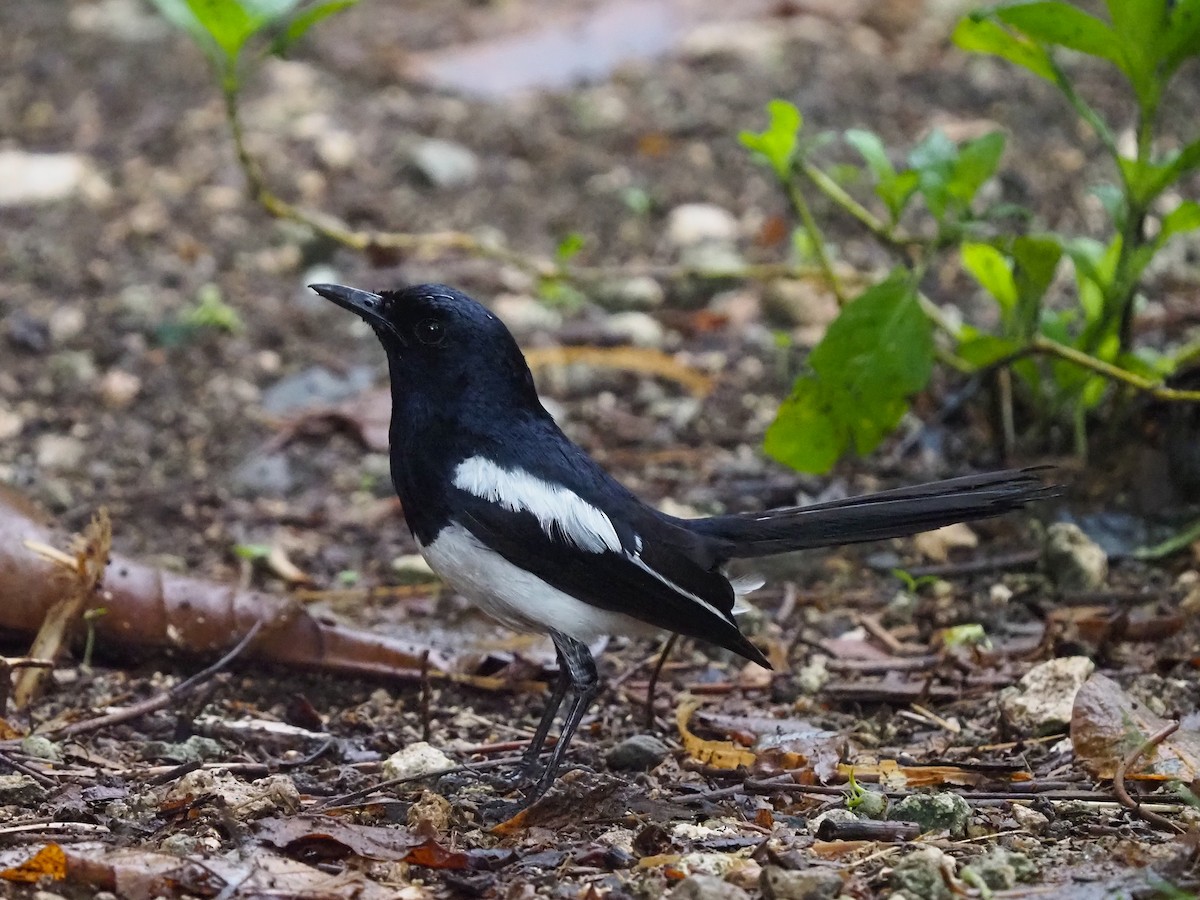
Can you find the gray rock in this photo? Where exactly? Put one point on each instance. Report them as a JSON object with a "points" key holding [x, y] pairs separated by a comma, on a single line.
{"points": [[59, 452], [194, 749], [640, 292], [941, 811], [638, 328], [919, 875], [1030, 819], [816, 883], [12, 423], [28, 333], [707, 887], [639, 753], [445, 164], [73, 367], [20, 790], [420, 758], [699, 223], [41, 747], [124, 20], [1073, 560], [1001, 869], [30, 179], [714, 257], [525, 315], [803, 304], [1041, 702], [314, 386], [269, 475]]}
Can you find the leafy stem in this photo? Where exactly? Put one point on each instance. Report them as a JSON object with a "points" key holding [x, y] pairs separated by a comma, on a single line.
{"points": [[800, 205]]}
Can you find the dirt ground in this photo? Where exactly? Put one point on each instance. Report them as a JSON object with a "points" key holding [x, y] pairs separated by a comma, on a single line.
{"points": [[200, 440]]}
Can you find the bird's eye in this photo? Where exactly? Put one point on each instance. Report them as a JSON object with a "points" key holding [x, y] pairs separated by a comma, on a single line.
{"points": [[430, 331]]}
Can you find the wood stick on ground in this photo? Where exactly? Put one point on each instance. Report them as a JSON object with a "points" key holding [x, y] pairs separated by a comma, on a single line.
{"points": [[1127, 763], [652, 687], [160, 701]]}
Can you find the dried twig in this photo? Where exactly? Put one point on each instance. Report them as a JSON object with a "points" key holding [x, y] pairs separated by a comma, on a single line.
{"points": [[1128, 762], [160, 701], [653, 685]]}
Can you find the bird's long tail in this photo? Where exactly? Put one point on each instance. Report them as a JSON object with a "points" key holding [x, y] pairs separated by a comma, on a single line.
{"points": [[873, 517]]}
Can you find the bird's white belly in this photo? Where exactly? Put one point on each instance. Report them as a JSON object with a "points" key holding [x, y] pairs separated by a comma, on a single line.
{"points": [[515, 597]]}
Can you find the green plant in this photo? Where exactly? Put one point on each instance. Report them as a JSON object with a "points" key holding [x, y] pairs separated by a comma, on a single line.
{"points": [[211, 311], [224, 29], [89, 646], [913, 583], [1065, 355]]}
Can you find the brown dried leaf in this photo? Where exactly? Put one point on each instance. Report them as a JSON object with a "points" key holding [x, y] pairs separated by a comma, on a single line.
{"points": [[1107, 725], [937, 544], [642, 360], [895, 776], [281, 565], [328, 837], [719, 754], [785, 743], [603, 796], [49, 862], [433, 855]]}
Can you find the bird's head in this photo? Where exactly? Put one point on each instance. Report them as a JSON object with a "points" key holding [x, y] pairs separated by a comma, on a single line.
{"points": [[440, 341]]}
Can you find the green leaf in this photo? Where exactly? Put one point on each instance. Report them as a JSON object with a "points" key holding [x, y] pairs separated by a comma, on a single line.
{"points": [[992, 270], [896, 192], [300, 25], [1052, 22], [1035, 264], [1184, 217], [230, 23], [876, 353], [894, 189], [976, 163], [1112, 198], [871, 148], [1153, 179], [1146, 180], [881, 343], [179, 14], [569, 246], [977, 34], [983, 350], [806, 434], [1183, 35], [777, 144], [1140, 27], [1148, 362], [933, 159], [251, 551]]}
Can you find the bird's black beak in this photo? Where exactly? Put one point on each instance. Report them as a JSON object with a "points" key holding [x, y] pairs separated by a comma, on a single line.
{"points": [[362, 303]]}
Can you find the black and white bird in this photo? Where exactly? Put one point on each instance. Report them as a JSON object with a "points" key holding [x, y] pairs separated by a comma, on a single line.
{"points": [[520, 520]]}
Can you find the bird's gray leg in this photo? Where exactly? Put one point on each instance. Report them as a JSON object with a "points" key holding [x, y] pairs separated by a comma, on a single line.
{"points": [[530, 760], [575, 660]]}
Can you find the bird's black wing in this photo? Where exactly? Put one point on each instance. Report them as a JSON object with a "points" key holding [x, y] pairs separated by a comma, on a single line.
{"points": [[652, 577]]}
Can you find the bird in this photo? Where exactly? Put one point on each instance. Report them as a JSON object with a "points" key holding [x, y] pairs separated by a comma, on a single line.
{"points": [[519, 519]]}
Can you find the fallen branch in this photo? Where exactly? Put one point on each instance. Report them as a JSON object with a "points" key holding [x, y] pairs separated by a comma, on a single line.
{"points": [[152, 609]]}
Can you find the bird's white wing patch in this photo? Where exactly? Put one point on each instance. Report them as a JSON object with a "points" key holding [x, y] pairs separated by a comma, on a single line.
{"points": [[561, 513]]}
